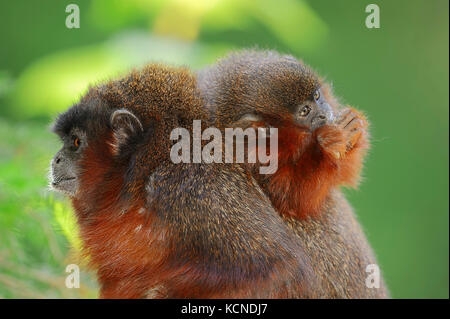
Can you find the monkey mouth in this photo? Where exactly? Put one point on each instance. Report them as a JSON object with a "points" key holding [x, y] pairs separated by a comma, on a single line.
{"points": [[62, 181], [65, 185]]}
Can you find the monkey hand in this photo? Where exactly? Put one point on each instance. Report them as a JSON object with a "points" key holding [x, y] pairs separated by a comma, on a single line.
{"points": [[354, 125], [344, 135]]}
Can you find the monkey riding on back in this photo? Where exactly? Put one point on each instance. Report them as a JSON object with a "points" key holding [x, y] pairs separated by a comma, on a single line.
{"points": [[321, 146]]}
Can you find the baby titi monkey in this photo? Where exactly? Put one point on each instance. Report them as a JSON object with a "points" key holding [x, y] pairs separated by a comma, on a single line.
{"points": [[156, 229], [321, 146]]}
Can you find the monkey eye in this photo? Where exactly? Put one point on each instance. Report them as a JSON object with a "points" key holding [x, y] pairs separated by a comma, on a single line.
{"points": [[317, 95], [305, 110], [76, 142]]}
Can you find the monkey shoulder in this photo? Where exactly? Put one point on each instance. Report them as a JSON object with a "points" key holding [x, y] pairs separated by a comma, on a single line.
{"points": [[220, 219]]}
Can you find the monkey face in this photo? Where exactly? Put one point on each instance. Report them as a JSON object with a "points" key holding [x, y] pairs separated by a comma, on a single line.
{"points": [[76, 127], [95, 138], [119, 133], [64, 165], [315, 112]]}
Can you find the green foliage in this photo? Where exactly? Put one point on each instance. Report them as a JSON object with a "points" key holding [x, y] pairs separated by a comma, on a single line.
{"points": [[33, 249], [397, 74]]}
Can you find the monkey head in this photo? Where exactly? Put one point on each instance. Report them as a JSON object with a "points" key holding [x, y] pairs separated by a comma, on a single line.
{"points": [[267, 85], [119, 132], [88, 126]]}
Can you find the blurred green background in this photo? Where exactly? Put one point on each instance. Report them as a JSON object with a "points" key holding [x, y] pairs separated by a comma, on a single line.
{"points": [[397, 74]]}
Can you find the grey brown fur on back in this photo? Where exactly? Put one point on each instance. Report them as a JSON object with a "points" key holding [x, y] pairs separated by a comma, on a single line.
{"points": [[339, 251]]}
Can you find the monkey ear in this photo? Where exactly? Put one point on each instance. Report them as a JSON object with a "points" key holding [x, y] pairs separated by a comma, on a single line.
{"points": [[125, 125]]}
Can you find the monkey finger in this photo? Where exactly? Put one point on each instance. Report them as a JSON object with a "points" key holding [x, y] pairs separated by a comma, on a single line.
{"points": [[354, 124], [353, 137], [345, 117], [332, 141]]}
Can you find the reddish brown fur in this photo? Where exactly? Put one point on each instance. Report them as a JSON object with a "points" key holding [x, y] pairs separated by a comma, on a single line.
{"points": [[130, 257]]}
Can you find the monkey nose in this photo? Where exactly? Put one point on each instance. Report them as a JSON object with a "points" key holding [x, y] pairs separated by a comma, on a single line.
{"points": [[318, 121], [57, 160], [324, 116]]}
